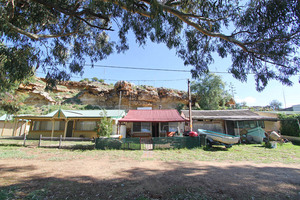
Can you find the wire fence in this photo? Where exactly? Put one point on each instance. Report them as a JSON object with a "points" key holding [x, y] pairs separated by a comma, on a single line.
{"points": [[150, 143]]}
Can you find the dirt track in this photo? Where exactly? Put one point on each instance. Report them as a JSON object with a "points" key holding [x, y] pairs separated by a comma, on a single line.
{"points": [[93, 178]]}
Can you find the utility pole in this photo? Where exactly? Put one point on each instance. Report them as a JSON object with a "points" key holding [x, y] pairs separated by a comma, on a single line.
{"points": [[190, 106], [232, 89]]}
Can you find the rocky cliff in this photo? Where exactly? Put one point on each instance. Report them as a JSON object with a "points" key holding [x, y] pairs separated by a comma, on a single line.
{"points": [[123, 94]]}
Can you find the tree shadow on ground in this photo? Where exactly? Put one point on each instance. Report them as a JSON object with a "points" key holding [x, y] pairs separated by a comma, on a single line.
{"points": [[11, 145], [215, 148], [71, 147], [177, 181]]}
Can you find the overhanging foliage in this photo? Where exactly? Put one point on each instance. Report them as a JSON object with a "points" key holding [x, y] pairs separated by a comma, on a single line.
{"points": [[260, 36], [289, 125]]}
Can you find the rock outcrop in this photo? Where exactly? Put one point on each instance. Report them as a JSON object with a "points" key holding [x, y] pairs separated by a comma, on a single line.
{"points": [[123, 94]]}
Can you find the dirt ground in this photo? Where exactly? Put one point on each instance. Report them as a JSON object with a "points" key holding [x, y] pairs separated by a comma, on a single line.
{"points": [[94, 178]]}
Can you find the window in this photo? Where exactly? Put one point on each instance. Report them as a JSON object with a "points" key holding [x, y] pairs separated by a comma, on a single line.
{"points": [[249, 124], [164, 126], [36, 125], [168, 126], [47, 125], [261, 124], [173, 126], [59, 125], [86, 125], [141, 127]]}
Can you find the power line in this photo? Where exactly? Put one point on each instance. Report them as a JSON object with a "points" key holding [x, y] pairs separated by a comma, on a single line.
{"points": [[152, 69], [156, 69], [139, 68], [149, 80]]}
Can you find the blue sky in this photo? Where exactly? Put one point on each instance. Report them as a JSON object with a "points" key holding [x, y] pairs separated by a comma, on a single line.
{"points": [[159, 56]]}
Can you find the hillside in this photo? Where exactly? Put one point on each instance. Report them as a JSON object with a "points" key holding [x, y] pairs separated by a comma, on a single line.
{"points": [[101, 95]]}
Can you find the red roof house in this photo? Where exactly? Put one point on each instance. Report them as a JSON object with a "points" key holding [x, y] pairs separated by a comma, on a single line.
{"points": [[153, 123]]}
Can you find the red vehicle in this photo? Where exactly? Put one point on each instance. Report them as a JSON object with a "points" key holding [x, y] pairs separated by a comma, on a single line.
{"points": [[193, 134]]}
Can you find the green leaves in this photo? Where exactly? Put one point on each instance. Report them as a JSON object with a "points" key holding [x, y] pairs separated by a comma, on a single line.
{"points": [[289, 124], [104, 127], [210, 92], [16, 65], [261, 37]]}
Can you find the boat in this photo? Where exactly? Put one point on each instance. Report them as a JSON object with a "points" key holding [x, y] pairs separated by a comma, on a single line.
{"points": [[220, 137]]}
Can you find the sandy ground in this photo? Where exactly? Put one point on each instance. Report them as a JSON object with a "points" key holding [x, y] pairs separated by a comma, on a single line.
{"points": [[94, 178]]}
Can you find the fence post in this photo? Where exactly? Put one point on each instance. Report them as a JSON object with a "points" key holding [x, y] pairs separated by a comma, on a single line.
{"points": [[24, 139], [40, 140], [60, 138], [140, 143]]}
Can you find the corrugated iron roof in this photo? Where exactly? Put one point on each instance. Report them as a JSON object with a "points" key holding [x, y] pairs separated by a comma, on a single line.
{"points": [[6, 117], [93, 113], [82, 114], [152, 116], [234, 115]]}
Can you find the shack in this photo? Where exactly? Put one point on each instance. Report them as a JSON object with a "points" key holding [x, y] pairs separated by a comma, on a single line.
{"points": [[11, 127], [70, 123], [153, 123], [232, 122]]}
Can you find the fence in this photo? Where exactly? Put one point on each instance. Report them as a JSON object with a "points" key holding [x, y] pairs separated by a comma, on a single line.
{"points": [[151, 143], [61, 139], [15, 138], [114, 143], [176, 142]]}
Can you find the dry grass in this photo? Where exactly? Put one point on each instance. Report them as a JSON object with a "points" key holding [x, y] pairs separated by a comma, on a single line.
{"points": [[241, 172]]}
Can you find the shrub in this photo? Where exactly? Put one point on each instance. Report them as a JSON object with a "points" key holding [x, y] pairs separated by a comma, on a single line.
{"points": [[104, 127], [289, 125]]}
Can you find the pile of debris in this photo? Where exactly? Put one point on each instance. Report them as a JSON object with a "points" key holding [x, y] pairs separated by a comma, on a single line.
{"points": [[258, 136]]}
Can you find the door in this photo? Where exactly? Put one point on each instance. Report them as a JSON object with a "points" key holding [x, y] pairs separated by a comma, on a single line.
{"points": [[155, 127], [230, 127], [70, 129]]}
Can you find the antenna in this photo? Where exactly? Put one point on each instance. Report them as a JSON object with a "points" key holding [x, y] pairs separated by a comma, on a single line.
{"points": [[283, 97], [232, 89]]}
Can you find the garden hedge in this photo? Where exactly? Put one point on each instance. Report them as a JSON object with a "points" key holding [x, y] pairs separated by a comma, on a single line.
{"points": [[290, 125]]}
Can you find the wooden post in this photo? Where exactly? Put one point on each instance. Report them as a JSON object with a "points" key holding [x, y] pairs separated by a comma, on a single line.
{"points": [[30, 126], [20, 132], [60, 139], [3, 127], [24, 139], [118, 127], [190, 106], [140, 144], [66, 126], [40, 142], [237, 124], [226, 130], [52, 131], [73, 128], [13, 133], [25, 125]]}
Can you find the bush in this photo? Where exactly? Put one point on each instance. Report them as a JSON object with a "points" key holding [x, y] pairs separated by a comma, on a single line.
{"points": [[108, 143], [289, 125]]}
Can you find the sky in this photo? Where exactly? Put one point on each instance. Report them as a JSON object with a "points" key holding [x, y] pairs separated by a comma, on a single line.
{"points": [[160, 57]]}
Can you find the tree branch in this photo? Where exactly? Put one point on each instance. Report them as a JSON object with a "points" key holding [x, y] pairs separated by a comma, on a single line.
{"points": [[36, 36], [85, 11], [198, 27], [139, 11]]}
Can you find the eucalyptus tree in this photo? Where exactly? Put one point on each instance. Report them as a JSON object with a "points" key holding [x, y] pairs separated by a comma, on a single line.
{"points": [[275, 104], [61, 36], [210, 92]]}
